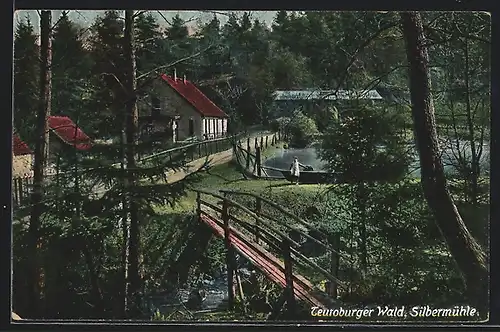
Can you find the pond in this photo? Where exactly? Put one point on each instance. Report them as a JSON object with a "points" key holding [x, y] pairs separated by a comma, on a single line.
{"points": [[282, 158]]}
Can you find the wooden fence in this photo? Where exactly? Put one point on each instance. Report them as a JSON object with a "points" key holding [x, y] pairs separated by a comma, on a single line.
{"points": [[250, 161], [195, 150], [21, 187]]}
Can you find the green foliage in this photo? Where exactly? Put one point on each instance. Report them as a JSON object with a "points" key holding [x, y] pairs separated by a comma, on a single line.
{"points": [[177, 30], [148, 43], [302, 130], [366, 145], [406, 251]]}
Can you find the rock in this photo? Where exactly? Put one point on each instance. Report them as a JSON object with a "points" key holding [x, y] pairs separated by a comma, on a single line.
{"points": [[207, 282], [196, 297], [296, 236], [260, 305], [312, 249], [312, 211]]}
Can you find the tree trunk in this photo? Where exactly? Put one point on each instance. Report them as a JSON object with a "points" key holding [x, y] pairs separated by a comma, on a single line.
{"points": [[125, 228], [131, 134], [41, 154], [362, 205], [94, 282], [469, 256], [472, 178]]}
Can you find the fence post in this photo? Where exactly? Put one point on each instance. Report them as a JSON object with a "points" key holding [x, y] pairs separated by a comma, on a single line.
{"points": [[258, 161], [21, 191], [229, 255], [289, 291], [266, 141], [198, 204], [331, 287], [261, 142], [258, 209], [16, 193], [248, 152], [256, 142]]}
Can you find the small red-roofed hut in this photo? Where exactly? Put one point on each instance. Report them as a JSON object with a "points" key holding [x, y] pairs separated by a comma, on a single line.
{"points": [[67, 134]]}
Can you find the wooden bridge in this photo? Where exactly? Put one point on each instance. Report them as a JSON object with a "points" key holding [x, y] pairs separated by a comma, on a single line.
{"points": [[266, 242]]}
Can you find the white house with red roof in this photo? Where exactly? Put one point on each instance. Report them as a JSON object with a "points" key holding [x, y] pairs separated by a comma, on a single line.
{"points": [[177, 107]]}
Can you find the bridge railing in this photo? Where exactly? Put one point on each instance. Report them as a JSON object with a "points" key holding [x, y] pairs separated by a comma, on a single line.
{"points": [[262, 232], [291, 224]]}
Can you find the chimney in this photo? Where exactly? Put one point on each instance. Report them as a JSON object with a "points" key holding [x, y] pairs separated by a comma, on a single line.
{"points": [[184, 79], [175, 75]]}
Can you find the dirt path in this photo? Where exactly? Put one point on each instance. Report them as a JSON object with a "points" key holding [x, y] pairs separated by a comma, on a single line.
{"points": [[220, 158], [215, 159]]}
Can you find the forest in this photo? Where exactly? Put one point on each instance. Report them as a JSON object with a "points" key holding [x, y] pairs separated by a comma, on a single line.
{"points": [[103, 235]]}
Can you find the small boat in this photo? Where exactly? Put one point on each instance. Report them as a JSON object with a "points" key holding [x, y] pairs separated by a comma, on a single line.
{"points": [[306, 177]]}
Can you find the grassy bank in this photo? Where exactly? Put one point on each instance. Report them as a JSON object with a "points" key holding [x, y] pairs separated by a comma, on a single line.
{"points": [[228, 177]]}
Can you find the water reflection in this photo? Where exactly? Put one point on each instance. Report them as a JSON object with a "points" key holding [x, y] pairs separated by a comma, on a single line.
{"points": [[282, 158]]}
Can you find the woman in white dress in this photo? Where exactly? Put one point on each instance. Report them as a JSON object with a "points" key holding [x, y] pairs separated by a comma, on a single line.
{"points": [[295, 170]]}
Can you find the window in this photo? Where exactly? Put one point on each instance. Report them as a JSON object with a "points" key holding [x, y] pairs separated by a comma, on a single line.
{"points": [[205, 122], [156, 106], [191, 127]]}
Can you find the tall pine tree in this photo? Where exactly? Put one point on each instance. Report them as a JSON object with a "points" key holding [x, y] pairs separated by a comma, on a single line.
{"points": [[108, 77], [26, 69], [149, 54], [71, 73]]}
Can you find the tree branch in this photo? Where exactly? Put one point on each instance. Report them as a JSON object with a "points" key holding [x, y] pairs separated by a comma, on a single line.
{"points": [[163, 16], [216, 12], [116, 79], [173, 63], [358, 49], [139, 13], [59, 20]]}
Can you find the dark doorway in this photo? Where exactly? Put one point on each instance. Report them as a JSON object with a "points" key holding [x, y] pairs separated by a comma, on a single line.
{"points": [[191, 127]]}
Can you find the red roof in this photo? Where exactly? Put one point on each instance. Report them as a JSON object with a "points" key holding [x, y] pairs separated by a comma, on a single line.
{"points": [[19, 148], [68, 132], [194, 96]]}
